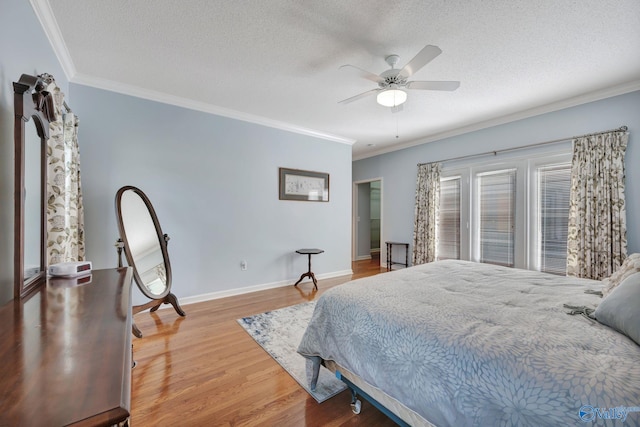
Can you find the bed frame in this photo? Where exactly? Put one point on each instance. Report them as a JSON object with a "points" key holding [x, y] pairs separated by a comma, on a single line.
{"points": [[389, 406]]}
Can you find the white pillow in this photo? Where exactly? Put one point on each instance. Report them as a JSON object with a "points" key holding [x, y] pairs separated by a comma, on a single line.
{"points": [[629, 266], [621, 309]]}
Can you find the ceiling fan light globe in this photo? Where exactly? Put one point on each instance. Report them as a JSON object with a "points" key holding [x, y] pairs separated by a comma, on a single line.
{"points": [[391, 97]]}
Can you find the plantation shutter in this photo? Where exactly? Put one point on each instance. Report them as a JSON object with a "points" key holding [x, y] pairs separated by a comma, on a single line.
{"points": [[497, 197], [554, 184], [449, 221]]}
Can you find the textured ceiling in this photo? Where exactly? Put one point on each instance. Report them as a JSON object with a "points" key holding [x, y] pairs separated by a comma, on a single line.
{"points": [[278, 62]]}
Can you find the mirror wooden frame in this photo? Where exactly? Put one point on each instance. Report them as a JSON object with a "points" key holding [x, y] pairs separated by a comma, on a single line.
{"points": [[31, 102], [166, 296]]}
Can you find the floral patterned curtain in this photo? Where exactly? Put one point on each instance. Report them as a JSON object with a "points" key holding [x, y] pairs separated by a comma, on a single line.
{"points": [[597, 241], [65, 213], [426, 213]]}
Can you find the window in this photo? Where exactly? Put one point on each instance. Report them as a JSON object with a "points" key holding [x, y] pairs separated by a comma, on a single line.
{"points": [[513, 212], [449, 219], [554, 183], [497, 216]]}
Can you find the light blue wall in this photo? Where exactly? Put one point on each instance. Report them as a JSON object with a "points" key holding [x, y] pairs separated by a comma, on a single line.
{"points": [[213, 180], [399, 168], [214, 184], [24, 49]]}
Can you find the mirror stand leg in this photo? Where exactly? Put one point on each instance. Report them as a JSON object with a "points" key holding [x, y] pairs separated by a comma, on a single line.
{"points": [[155, 307], [173, 300], [135, 330], [137, 309]]}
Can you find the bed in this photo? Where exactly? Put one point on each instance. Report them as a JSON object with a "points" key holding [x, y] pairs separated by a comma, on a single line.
{"points": [[456, 343]]}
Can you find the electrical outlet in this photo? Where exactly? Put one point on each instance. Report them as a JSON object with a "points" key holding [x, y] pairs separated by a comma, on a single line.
{"points": [[243, 265]]}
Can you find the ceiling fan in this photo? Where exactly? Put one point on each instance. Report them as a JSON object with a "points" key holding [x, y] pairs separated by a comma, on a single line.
{"points": [[392, 84]]}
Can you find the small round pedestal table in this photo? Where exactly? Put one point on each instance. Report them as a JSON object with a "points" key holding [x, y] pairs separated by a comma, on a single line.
{"points": [[309, 274]]}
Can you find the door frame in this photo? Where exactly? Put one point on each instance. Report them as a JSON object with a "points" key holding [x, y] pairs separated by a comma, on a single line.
{"points": [[354, 218]]}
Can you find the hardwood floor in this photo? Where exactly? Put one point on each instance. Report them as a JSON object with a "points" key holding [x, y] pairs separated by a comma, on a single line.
{"points": [[205, 370]]}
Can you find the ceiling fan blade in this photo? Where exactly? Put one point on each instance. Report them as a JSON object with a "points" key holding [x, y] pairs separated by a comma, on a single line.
{"points": [[360, 96], [365, 74], [424, 85], [426, 55]]}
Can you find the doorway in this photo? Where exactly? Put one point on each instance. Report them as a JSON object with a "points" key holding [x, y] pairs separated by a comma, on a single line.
{"points": [[367, 219]]}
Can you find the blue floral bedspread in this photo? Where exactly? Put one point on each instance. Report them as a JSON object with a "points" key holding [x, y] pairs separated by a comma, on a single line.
{"points": [[469, 344]]}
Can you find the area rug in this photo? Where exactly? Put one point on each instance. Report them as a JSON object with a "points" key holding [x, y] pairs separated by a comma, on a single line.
{"points": [[279, 332]]}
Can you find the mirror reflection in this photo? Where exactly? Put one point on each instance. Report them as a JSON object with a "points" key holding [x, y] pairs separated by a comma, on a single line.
{"points": [[144, 244], [32, 201]]}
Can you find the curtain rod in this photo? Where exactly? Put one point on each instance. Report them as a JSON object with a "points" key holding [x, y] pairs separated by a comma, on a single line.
{"points": [[504, 150]]}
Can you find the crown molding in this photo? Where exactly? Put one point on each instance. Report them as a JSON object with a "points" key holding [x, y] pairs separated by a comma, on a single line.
{"points": [[49, 24], [532, 112], [152, 95]]}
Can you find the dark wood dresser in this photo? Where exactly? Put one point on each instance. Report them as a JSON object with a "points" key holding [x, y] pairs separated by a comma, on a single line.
{"points": [[65, 353]]}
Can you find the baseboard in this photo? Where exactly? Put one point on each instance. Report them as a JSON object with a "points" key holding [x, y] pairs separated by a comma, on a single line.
{"points": [[362, 257], [262, 287]]}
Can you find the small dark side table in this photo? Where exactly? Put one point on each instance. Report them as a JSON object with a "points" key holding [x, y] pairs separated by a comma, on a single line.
{"points": [[390, 261], [309, 274]]}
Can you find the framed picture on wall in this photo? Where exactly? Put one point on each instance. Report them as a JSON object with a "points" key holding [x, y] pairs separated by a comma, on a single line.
{"points": [[308, 186]]}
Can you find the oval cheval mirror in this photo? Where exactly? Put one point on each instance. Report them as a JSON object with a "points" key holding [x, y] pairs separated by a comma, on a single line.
{"points": [[145, 248]]}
